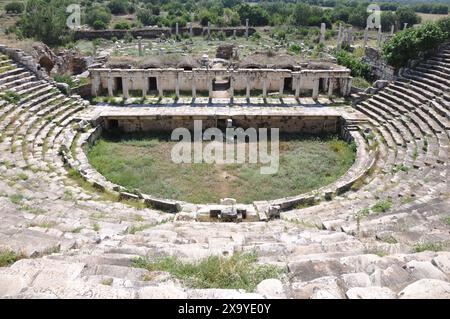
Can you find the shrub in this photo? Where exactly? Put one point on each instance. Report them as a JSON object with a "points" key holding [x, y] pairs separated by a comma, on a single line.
{"points": [[239, 271], [409, 44], [14, 7], [358, 67], [382, 206], [99, 25], [118, 6], [8, 257], [98, 13], [428, 245], [11, 97], [122, 26], [64, 78], [295, 48]]}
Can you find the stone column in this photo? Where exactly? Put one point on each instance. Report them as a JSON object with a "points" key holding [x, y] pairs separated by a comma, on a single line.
{"points": [[405, 25], [281, 90], [379, 36], [231, 87], [366, 37], [145, 87], [125, 87], [210, 87], [392, 29], [234, 33], [95, 88], [322, 32], [348, 88], [194, 88], [246, 29], [110, 85], [298, 86], [338, 46], [139, 38], [315, 93], [247, 92], [191, 31], [177, 86], [330, 87], [350, 36], [209, 30], [264, 88], [159, 87], [177, 31]]}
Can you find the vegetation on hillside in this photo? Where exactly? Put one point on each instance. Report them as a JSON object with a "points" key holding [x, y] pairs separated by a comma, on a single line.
{"points": [[411, 43]]}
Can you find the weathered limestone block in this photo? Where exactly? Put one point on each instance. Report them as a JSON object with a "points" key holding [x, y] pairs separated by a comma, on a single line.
{"points": [[320, 288], [370, 293], [271, 288], [162, 292], [426, 289], [359, 279], [424, 269]]}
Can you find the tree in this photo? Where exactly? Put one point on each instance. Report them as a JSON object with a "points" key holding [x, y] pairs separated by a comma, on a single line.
{"points": [[387, 20], [231, 17], [14, 7], [358, 16], [118, 6], [410, 43], [256, 15], [98, 14], [146, 17], [206, 16], [45, 20], [301, 14], [407, 15]]}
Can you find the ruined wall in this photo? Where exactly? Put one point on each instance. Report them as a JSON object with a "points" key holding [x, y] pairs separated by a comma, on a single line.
{"points": [[380, 69], [153, 33], [286, 124], [266, 80]]}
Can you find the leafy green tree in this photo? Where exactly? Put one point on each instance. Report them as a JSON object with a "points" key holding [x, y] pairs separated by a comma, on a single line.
{"points": [[387, 20], [410, 43], [301, 14], [358, 16], [256, 15], [45, 20], [146, 17], [407, 15], [118, 6], [98, 13], [206, 16]]}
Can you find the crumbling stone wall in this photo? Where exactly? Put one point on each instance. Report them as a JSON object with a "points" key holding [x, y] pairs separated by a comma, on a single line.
{"points": [[380, 69], [331, 82], [153, 33], [286, 124]]}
